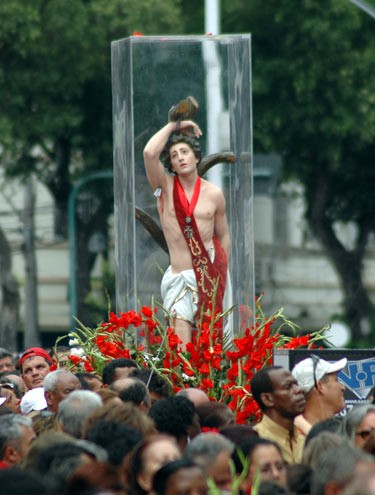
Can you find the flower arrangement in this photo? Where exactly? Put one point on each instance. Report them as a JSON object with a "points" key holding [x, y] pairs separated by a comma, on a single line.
{"points": [[224, 375]]}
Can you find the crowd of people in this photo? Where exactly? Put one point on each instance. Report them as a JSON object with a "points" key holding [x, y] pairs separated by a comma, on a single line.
{"points": [[126, 433]]}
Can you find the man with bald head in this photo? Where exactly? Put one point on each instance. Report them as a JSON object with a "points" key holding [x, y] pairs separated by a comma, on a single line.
{"points": [[196, 395]]}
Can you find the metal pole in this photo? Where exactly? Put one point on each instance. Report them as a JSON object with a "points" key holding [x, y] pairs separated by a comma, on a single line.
{"points": [[212, 16], [72, 239], [213, 90]]}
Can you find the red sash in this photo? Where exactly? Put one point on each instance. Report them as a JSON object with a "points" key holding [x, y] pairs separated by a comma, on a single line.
{"points": [[207, 273]]}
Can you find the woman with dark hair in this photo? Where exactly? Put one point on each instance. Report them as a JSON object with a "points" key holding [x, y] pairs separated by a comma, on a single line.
{"points": [[181, 476], [262, 457], [147, 457]]}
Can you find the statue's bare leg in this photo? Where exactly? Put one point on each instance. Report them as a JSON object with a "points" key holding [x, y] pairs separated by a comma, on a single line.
{"points": [[183, 330]]}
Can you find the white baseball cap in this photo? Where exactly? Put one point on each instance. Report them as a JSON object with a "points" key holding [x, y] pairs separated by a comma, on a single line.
{"points": [[33, 400], [306, 376]]}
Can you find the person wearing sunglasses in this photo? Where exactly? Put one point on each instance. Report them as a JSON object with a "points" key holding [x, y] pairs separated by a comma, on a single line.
{"points": [[323, 391], [359, 424]]}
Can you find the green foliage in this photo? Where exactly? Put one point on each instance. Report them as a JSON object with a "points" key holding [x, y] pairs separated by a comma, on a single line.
{"points": [[193, 16], [313, 97], [313, 101], [55, 76], [55, 83], [313, 91]]}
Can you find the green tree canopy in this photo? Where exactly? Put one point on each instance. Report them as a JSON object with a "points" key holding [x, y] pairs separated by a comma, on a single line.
{"points": [[313, 83], [55, 79], [55, 86], [313, 73]]}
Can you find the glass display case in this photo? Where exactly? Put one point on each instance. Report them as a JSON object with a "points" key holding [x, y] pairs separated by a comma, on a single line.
{"points": [[149, 75]]}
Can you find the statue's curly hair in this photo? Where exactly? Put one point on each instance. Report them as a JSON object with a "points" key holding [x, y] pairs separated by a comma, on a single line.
{"points": [[181, 137]]}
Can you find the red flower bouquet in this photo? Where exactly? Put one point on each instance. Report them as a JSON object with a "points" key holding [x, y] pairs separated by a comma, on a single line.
{"points": [[223, 374]]}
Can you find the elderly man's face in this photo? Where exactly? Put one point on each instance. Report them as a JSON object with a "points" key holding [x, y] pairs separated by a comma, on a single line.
{"points": [[16, 451], [7, 364], [220, 472], [66, 384]]}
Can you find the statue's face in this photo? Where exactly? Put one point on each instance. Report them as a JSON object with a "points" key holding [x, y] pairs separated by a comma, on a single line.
{"points": [[183, 159]]}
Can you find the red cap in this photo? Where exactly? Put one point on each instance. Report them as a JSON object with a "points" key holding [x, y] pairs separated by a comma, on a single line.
{"points": [[32, 352]]}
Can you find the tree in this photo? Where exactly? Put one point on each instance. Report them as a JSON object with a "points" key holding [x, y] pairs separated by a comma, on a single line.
{"points": [[8, 298], [31, 334], [56, 100], [313, 70]]}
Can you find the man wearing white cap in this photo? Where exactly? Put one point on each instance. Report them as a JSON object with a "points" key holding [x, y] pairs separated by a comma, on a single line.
{"points": [[324, 393]]}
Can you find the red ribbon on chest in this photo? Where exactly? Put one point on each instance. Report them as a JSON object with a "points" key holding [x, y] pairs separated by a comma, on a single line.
{"points": [[207, 273]]}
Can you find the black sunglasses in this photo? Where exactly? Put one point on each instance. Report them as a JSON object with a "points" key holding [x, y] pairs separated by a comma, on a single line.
{"points": [[315, 360], [364, 434], [8, 385]]}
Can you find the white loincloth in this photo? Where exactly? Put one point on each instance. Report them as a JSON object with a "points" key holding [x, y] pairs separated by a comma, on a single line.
{"points": [[180, 298], [180, 294]]}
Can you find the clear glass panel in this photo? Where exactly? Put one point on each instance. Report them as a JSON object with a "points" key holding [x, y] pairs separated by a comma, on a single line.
{"points": [[149, 75]]}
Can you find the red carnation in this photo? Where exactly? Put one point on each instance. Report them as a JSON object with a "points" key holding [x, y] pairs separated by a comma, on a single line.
{"points": [[147, 311]]}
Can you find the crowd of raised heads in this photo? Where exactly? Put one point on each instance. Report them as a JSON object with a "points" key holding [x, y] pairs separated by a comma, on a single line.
{"points": [[126, 433]]}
